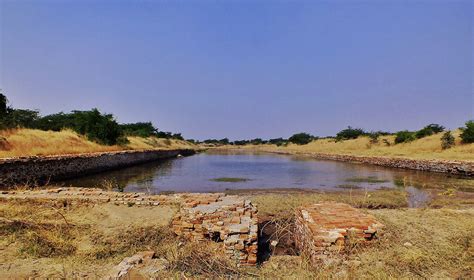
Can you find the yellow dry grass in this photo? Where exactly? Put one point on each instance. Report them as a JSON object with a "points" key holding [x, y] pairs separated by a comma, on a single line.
{"points": [[33, 142], [425, 148]]}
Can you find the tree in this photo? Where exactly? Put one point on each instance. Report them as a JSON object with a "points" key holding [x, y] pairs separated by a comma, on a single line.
{"points": [[98, 127], [224, 141], [429, 130], [277, 141], [349, 133], [404, 136], [447, 140], [467, 133], [301, 138], [3, 106], [21, 118], [140, 129], [257, 141]]}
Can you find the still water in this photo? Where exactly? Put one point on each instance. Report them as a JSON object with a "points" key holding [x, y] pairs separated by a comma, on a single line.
{"points": [[198, 173]]}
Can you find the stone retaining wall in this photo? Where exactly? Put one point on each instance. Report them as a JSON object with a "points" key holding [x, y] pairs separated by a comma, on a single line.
{"points": [[42, 169], [464, 168]]}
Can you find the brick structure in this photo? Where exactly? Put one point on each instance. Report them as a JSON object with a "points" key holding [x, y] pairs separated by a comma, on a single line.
{"points": [[231, 220], [326, 228]]}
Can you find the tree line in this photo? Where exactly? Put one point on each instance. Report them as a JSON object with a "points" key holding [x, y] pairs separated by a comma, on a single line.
{"points": [[404, 136], [96, 126]]}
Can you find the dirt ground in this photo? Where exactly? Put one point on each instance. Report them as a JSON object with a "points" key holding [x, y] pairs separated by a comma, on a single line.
{"points": [[87, 240], [88, 222]]}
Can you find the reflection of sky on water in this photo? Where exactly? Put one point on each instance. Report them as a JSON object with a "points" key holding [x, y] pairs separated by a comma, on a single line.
{"points": [[194, 174]]}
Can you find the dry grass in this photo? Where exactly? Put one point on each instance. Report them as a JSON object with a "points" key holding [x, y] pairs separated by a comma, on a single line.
{"points": [[28, 142], [440, 247], [44, 241], [357, 198], [425, 148]]}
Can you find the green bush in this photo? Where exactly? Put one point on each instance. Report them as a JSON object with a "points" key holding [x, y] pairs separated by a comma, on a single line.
{"points": [[447, 140], [301, 138], [349, 133], [98, 127], [429, 130], [3, 106], [467, 133], [404, 136], [278, 141], [140, 129], [257, 141]]}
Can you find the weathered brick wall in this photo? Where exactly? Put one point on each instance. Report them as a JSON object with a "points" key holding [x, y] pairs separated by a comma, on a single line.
{"points": [[40, 169], [324, 229], [231, 220]]}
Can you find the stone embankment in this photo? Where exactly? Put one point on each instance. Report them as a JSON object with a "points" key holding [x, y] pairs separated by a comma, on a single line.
{"points": [[464, 168], [325, 229], [38, 170]]}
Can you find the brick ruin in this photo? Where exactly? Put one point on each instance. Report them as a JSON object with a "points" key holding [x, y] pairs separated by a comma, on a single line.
{"points": [[326, 228], [231, 220], [322, 229]]}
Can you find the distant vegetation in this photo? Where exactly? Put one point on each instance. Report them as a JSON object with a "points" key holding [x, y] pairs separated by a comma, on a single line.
{"points": [[467, 134], [375, 137], [301, 138], [96, 126], [350, 133]]}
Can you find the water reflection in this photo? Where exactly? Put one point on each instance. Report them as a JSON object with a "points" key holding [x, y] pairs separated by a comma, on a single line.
{"points": [[195, 174]]}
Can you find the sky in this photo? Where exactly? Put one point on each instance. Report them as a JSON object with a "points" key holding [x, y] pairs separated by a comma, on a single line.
{"points": [[243, 69]]}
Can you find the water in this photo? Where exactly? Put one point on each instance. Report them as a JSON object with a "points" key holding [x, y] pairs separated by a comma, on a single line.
{"points": [[267, 171]]}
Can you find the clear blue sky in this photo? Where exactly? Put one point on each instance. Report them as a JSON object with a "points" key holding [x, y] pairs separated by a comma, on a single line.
{"points": [[243, 69]]}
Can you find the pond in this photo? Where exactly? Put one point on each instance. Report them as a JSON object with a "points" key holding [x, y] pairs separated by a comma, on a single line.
{"points": [[218, 172]]}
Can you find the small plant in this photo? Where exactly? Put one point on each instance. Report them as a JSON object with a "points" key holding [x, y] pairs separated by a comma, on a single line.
{"points": [[467, 134], [374, 137], [447, 140]]}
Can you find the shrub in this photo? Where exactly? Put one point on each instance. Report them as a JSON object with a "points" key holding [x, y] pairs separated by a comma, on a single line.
{"points": [[374, 137], [447, 140], [257, 141], [349, 133], [467, 133], [224, 141], [140, 129], [20, 118], [3, 106], [301, 138], [429, 130], [277, 141], [404, 136], [98, 127]]}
